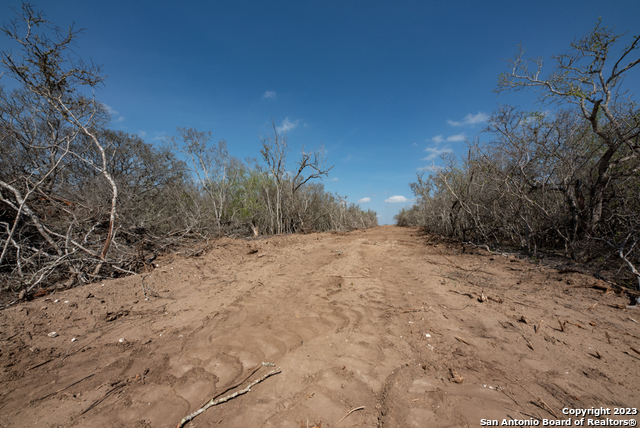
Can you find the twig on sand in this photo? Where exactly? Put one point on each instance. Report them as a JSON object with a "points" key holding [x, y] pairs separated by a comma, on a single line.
{"points": [[462, 340], [39, 365], [116, 387], [546, 407], [508, 396], [529, 344], [348, 413], [62, 389], [214, 402]]}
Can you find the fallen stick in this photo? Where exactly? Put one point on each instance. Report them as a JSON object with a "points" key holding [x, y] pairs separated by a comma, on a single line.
{"points": [[348, 413], [214, 402], [118, 386], [462, 340], [12, 336], [235, 385], [546, 407], [528, 343], [562, 327], [62, 389], [508, 396], [469, 295], [39, 365], [414, 310]]}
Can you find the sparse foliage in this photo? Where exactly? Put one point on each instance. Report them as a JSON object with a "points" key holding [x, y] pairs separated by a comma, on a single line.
{"points": [[79, 201], [567, 179]]}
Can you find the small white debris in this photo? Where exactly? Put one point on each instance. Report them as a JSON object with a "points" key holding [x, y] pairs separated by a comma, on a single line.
{"points": [[427, 335], [66, 301], [121, 340], [103, 285], [52, 334], [410, 322], [73, 340], [56, 301]]}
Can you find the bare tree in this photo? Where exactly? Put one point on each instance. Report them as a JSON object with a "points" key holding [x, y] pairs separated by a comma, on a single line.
{"points": [[590, 78], [274, 152], [78, 201], [42, 123], [44, 69], [562, 180], [210, 163]]}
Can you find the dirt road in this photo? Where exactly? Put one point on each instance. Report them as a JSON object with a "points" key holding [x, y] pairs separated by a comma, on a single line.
{"points": [[385, 319]]}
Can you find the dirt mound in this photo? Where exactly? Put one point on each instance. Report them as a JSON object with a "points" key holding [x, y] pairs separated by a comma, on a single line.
{"points": [[410, 333]]}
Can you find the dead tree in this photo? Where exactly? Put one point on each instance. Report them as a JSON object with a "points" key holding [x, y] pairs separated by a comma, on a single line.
{"points": [[44, 120]]}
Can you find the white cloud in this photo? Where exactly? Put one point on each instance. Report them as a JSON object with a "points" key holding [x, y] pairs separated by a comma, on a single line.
{"points": [[269, 94], [396, 199], [161, 136], [334, 179], [347, 159], [287, 125], [109, 110], [113, 113], [434, 152], [457, 137], [364, 200], [470, 119], [141, 133], [451, 138]]}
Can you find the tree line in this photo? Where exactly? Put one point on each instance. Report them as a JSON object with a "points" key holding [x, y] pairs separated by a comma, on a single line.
{"points": [[562, 180], [80, 201]]}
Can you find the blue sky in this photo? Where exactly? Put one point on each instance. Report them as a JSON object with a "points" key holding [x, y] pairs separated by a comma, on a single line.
{"points": [[384, 86]]}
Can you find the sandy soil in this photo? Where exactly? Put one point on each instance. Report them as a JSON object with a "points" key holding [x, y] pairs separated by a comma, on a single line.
{"points": [[384, 318]]}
